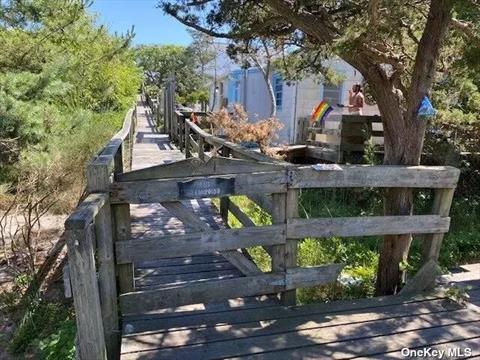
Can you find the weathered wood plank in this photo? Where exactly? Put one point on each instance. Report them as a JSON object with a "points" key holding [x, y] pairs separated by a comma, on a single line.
{"points": [[291, 211], [86, 211], [122, 233], [198, 243], [252, 323], [262, 200], [107, 281], [86, 295], [278, 252], [142, 301], [195, 167], [366, 226], [204, 317], [376, 176], [241, 262], [236, 258], [441, 206], [226, 289], [300, 277], [340, 342], [151, 191]]}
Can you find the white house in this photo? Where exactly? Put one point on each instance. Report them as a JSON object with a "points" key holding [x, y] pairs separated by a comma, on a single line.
{"points": [[293, 101]]}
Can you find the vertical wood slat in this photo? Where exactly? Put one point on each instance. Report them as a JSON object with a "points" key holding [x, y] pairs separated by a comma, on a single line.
{"points": [[187, 139], [441, 206], [181, 132], [224, 201], [201, 145], [98, 180], [122, 232], [291, 211], [107, 281], [90, 333], [278, 252]]}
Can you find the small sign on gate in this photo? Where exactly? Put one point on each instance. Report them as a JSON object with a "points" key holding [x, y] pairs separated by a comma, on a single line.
{"points": [[203, 188]]}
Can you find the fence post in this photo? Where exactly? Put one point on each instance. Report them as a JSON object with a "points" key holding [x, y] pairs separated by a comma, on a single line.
{"points": [[98, 180], [278, 252], [201, 144], [181, 132], [107, 281], [187, 139], [291, 211], [441, 206], [88, 314], [224, 201]]}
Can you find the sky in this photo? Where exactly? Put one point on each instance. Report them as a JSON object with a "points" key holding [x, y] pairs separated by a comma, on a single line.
{"points": [[151, 25]]}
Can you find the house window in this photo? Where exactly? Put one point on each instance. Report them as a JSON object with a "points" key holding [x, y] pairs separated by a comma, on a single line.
{"points": [[236, 91], [332, 94], [278, 91]]}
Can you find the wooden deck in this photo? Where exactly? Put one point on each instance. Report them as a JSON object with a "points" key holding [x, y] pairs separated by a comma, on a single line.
{"points": [[259, 327]]}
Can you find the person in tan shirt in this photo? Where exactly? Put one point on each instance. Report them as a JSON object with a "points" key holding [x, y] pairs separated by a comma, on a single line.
{"points": [[356, 100]]}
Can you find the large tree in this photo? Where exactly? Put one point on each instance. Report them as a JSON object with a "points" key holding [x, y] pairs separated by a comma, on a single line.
{"points": [[395, 44]]}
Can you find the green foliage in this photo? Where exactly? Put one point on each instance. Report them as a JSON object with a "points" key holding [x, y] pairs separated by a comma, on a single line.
{"points": [[360, 255], [159, 62], [61, 344], [42, 324]]}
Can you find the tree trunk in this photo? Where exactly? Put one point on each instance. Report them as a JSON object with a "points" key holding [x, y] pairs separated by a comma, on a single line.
{"points": [[271, 93]]}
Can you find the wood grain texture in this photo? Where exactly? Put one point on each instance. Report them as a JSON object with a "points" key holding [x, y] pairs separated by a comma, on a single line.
{"points": [[376, 176], [86, 211], [198, 243], [366, 226], [86, 295], [152, 191]]}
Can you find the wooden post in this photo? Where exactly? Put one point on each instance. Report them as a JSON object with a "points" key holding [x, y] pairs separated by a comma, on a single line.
{"points": [[187, 139], [291, 211], [224, 201], [181, 132], [98, 180], [81, 260], [107, 281], [122, 232], [441, 206], [278, 252], [201, 145]]}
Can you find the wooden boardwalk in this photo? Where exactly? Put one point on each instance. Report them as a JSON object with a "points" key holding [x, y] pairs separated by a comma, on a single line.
{"points": [[259, 327]]}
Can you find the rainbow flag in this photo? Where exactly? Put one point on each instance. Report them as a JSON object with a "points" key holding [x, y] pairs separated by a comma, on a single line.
{"points": [[321, 112]]}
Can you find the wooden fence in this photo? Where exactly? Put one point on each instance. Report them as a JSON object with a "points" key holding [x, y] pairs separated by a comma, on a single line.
{"points": [[90, 232], [345, 143], [102, 254]]}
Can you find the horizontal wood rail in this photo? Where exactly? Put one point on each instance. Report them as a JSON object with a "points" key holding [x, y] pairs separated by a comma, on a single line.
{"points": [[151, 191], [367, 226], [199, 243], [90, 249], [143, 301], [383, 176]]}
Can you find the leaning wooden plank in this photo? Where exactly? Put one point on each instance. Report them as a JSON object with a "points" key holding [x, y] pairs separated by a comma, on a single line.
{"points": [[311, 276], [240, 215], [262, 200], [366, 226], [141, 301], [198, 243], [196, 167], [375, 176], [241, 262], [441, 206], [236, 258], [424, 279], [86, 295], [152, 191]]}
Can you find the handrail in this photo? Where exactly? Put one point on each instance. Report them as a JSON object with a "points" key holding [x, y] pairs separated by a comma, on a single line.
{"points": [[89, 241]]}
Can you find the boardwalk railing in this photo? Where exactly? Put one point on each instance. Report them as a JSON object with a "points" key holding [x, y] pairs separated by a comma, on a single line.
{"points": [[90, 248], [102, 253]]}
